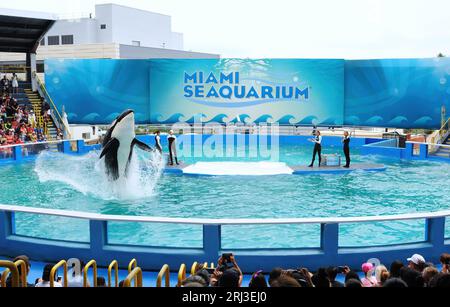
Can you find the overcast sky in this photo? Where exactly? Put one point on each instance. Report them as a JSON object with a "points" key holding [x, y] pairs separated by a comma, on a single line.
{"points": [[288, 28]]}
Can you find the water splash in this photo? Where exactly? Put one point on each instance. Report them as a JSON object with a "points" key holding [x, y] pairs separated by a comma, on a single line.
{"points": [[87, 175]]}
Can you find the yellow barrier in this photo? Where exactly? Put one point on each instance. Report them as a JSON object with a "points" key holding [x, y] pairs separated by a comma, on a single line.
{"points": [[132, 265], [136, 275], [194, 268], [23, 272], [10, 267], [92, 264], [114, 265], [165, 272], [181, 274], [63, 264]]}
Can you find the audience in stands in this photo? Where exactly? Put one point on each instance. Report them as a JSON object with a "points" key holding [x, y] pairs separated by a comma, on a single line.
{"points": [[417, 274], [17, 122], [227, 274]]}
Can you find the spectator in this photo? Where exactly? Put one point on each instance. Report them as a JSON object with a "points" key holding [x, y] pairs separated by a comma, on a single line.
{"points": [[27, 270], [101, 282], [382, 275], [428, 274], [395, 268], [417, 262], [412, 277], [285, 281], [203, 273], [226, 272], [258, 280], [4, 84], [231, 278], [332, 274], [353, 283], [395, 283], [274, 275], [44, 282], [351, 275], [15, 84], [194, 279], [443, 281], [445, 261], [320, 279]]}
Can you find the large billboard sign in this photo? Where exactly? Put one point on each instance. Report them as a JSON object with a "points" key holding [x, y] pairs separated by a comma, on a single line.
{"points": [[402, 93]]}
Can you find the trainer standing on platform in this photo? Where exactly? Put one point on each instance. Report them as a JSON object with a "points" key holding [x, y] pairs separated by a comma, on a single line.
{"points": [[317, 148], [346, 142], [158, 141], [172, 139]]}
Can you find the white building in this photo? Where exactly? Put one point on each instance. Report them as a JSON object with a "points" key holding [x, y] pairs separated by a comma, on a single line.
{"points": [[116, 32], [117, 24]]}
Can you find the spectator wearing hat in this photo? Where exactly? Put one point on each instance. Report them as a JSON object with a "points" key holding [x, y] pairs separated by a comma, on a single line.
{"points": [[417, 262], [369, 280]]}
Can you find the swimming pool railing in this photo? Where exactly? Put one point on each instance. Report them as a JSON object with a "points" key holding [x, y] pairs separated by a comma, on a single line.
{"points": [[151, 258]]}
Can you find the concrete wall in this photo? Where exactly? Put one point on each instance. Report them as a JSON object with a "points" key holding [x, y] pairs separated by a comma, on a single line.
{"points": [[84, 30], [125, 25]]}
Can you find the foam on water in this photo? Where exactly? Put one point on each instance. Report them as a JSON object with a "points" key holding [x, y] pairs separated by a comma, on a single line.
{"points": [[87, 175], [238, 169]]}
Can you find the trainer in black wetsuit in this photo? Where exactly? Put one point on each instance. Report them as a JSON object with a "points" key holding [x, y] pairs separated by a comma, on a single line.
{"points": [[172, 139], [158, 142], [317, 148], [346, 142]]}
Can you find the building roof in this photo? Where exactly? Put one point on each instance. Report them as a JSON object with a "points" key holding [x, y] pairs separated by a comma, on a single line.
{"points": [[21, 31]]}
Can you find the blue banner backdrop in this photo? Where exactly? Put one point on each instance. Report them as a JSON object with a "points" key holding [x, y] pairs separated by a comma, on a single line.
{"points": [[402, 93]]}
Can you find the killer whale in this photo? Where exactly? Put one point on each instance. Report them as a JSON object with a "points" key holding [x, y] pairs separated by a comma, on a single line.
{"points": [[118, 145]]}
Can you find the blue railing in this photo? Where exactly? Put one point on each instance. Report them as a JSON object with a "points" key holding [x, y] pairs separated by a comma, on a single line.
{"points": [[151, 258]]}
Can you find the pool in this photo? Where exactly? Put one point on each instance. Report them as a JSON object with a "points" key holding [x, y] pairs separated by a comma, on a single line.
{"points": [[77, 183]]}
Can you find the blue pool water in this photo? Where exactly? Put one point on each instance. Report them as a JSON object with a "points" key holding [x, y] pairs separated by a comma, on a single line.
{"points": [[76, 183]]}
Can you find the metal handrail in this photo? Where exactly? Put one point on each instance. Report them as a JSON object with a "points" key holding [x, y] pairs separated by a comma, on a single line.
{"points": [[22, 275], [136, 275], [44, 89], [444, 129], [131, 266], [55, 268], [114, 265], [430, 144], [181, 275], [193, 268], [92, 264], [199, 221], [14, 271], [165, 272]]}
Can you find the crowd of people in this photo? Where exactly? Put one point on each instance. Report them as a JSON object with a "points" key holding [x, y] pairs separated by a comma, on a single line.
{"points": [[18, 123], [417, 273]]}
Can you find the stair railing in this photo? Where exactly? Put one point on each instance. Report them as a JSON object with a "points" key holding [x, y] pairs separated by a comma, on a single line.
{"points": [[58, 120], [440, 136]]}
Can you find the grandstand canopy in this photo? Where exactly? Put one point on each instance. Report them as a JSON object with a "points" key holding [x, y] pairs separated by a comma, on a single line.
{"points": [[21, 31]]}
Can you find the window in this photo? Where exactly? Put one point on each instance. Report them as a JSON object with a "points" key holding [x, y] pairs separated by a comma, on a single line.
{"points": [[136, 43], [67, 39], [42, 42], [103, 26], [53, 40]]}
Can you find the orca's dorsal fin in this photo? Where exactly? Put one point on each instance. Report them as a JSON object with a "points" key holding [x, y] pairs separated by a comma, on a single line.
{"points": [[110, 154], [141, 145]]}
